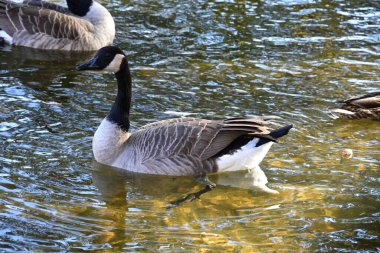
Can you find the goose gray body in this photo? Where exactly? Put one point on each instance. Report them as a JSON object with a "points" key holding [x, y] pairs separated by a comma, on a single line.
{"points": [[361, 107], [180, 146], [43, 25]]}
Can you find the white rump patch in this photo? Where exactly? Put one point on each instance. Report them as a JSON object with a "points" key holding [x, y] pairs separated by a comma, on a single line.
{"points": [[248, 157], [114, 65], [8, 39]]}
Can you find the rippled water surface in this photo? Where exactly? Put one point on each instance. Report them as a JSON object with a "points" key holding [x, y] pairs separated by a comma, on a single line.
{"points": [[210, 59]]}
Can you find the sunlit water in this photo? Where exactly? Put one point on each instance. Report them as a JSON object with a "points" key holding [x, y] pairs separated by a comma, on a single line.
{"points": [[210, 59]]}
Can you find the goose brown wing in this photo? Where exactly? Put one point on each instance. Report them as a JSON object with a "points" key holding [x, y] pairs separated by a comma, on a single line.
{"points": [[47, 5], [56, 24], [371, 100], [231, 130], [168, 121], [196, 137]]}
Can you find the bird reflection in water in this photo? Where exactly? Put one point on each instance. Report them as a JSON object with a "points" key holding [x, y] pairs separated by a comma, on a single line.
{"points": [[117, 185]]}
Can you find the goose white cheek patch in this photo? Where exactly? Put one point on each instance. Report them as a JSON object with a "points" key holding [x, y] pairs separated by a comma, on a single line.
{"points": [[114, 65]]}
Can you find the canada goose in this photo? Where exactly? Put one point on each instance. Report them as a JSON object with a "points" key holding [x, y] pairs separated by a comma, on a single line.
{"points": [[362, 107], [84, 26], [179, 146]]}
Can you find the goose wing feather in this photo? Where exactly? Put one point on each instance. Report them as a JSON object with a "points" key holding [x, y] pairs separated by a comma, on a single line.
{"points": [[184, 146], [177, 136], [168, 121], [47, 5], [46, 21], [371, 100]]}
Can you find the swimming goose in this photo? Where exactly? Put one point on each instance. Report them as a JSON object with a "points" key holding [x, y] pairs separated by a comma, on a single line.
{"points": [[362, 107], [178, 146], [84, 26]]}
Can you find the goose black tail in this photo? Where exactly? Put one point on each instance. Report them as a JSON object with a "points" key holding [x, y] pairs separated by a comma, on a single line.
{"points": [[274, 135], [278, 133]]}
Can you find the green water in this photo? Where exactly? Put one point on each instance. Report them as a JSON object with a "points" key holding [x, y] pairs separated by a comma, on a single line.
{"points": [[209, 59]]}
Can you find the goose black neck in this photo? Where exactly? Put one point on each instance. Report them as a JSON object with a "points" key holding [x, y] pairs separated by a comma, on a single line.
{"points": [[119, 113], [79, 7]]}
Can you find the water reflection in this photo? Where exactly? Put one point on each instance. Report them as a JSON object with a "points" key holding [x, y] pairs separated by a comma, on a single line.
{"points": [[208, 59], [117, 185]]}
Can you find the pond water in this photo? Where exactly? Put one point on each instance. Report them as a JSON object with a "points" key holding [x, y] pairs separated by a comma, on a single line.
{"points": [[209, 59]]}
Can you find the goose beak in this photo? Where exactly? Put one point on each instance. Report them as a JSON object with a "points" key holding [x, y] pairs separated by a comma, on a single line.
{"points": [[89, 65]]}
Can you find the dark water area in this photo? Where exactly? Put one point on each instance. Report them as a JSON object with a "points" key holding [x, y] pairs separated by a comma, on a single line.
{"points": [[208, 59]]}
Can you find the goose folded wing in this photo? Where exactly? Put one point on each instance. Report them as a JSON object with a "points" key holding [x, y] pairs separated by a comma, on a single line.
{"points": [[371, 100], [47, 5], [200, 139], [168, 121], [231, 130], [53, 23]]}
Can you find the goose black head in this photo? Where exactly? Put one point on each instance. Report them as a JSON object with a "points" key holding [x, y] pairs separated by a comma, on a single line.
{"points": [[79, 7], [107, 59]]}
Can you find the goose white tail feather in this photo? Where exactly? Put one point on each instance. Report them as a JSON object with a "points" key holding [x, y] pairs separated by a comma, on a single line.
{"points": [[247, 157]]}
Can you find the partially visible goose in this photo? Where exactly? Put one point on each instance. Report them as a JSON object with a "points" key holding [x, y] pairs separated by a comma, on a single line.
{"points": [[84, 26], [362, 107], [179, 146]]}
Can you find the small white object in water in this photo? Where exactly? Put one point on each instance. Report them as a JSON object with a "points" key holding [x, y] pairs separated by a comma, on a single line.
{"points": [[347, 153]]}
